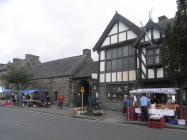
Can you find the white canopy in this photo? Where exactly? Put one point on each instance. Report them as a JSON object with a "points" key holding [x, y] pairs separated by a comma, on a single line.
{"points": [[155, 90]]}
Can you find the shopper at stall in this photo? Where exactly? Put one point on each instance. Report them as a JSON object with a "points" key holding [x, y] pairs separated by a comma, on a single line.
{"points": [[144, 107]]}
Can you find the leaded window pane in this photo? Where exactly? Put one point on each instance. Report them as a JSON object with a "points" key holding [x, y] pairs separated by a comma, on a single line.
{"points": [[114, 53], [109, 54], [119, 65], [150, 52], [150, 60], [120, 52], [109, 65], [125, 51], [131, 62], [131, 50], [125, 64], [156, 59], [113, 65]]}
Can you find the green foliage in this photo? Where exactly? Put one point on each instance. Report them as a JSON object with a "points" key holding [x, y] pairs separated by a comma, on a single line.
{"points": [[17, 76], [174, 51]]}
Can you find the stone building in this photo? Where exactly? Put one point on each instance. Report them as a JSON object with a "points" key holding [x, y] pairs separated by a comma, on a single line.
{"points": [[129, 58], [27, 62], [66, 76]]}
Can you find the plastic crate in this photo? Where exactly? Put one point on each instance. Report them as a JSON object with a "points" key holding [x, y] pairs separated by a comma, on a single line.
{"points": [[156, 123]]}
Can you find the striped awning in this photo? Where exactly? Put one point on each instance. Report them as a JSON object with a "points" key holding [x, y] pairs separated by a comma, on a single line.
{"points": [[155, 90]]}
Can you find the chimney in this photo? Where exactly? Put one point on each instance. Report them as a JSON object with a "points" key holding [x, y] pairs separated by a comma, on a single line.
{"points": [[87, 52], [162, 18]]}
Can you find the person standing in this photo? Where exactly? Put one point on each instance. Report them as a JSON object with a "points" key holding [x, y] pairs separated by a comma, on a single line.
{"points": [[60, 101], [144, 107]]}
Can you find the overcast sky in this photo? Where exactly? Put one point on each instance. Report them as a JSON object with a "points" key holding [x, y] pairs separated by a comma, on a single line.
{"points": [[55, 29]]}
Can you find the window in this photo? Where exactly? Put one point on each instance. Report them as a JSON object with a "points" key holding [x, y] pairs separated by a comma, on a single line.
{"points": [[115, 92], [125, 51], [114, 65], [131, 50], [109, 65], [114, 53], [109, 54], [131, 62], [125, 64], [119, 65], [153, 56], [120, 52]]}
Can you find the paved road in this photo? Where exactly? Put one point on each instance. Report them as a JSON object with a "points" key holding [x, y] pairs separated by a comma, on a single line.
{"points": [[16, 124]]}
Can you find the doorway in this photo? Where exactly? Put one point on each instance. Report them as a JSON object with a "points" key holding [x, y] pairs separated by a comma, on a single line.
{"points": [[85, 85]]}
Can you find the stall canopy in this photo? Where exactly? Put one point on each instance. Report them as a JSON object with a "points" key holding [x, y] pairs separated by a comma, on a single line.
{"points": [[30, 91], [155, 90], [4, 90]]}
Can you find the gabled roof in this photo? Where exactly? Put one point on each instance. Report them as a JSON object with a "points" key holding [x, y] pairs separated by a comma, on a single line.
{"points": [[57, 68], [87, 70], [146, 28], [161, 26], [116, 17]]}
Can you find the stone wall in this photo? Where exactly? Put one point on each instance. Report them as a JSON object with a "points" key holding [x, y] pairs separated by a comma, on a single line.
{"points": [[55, 85], [107, 104]]}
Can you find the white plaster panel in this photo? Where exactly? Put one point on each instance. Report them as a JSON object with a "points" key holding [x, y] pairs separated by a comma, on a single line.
{"points": [[125, 76], [108, 77], [148, 36], [119, 76], [102, 55], [160, 73], [114, 29], [156, 34], [122, 36], [132, 75], [102, 66], [114, 39], [151, 73], [106, 41], [122, 27], [102, 78], [131, 35], [114, 77]]}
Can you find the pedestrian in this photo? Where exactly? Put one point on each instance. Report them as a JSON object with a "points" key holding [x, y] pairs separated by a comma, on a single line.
{"points": [[60, 101], [144, 107]]}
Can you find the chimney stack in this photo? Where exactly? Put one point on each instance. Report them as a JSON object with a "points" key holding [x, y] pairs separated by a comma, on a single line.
{"points": [[87, 52], [162, 18]]}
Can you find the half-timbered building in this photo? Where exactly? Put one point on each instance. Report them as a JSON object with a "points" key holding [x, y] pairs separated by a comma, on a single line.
{"points": [[129, 58]]}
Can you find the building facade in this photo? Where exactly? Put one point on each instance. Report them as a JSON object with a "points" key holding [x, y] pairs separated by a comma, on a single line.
{"points": [[129, 58]]}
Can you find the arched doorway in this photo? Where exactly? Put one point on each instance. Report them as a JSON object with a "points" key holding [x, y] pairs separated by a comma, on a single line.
{"points": [[85, 85]]}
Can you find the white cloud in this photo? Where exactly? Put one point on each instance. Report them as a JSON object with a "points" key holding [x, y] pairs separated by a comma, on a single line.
{"points": [[54, 29]]}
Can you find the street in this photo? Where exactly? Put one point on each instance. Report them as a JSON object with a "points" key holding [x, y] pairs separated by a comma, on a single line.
{"points": [[18, 124]]}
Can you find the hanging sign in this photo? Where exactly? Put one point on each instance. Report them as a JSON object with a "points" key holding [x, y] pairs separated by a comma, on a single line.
{"points": [[82, 89]]}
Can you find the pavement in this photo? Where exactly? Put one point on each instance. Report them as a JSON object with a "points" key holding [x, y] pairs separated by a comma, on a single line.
{"points": [[108, 116]]}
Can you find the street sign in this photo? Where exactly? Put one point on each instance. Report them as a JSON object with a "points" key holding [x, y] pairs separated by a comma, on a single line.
{"points": [[82, 89]]}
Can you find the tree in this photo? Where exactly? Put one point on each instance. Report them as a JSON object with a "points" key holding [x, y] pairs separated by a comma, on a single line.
{"points": [[18, 77], [174, 51]]}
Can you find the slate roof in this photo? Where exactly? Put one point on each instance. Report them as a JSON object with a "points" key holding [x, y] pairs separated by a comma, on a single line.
{"points": [[115, 18], [87, 70], [57, 68], [163, 24]]}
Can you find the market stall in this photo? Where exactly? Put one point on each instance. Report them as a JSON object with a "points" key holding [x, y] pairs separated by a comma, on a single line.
{"points": [[162, 103], [34, 97]]}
